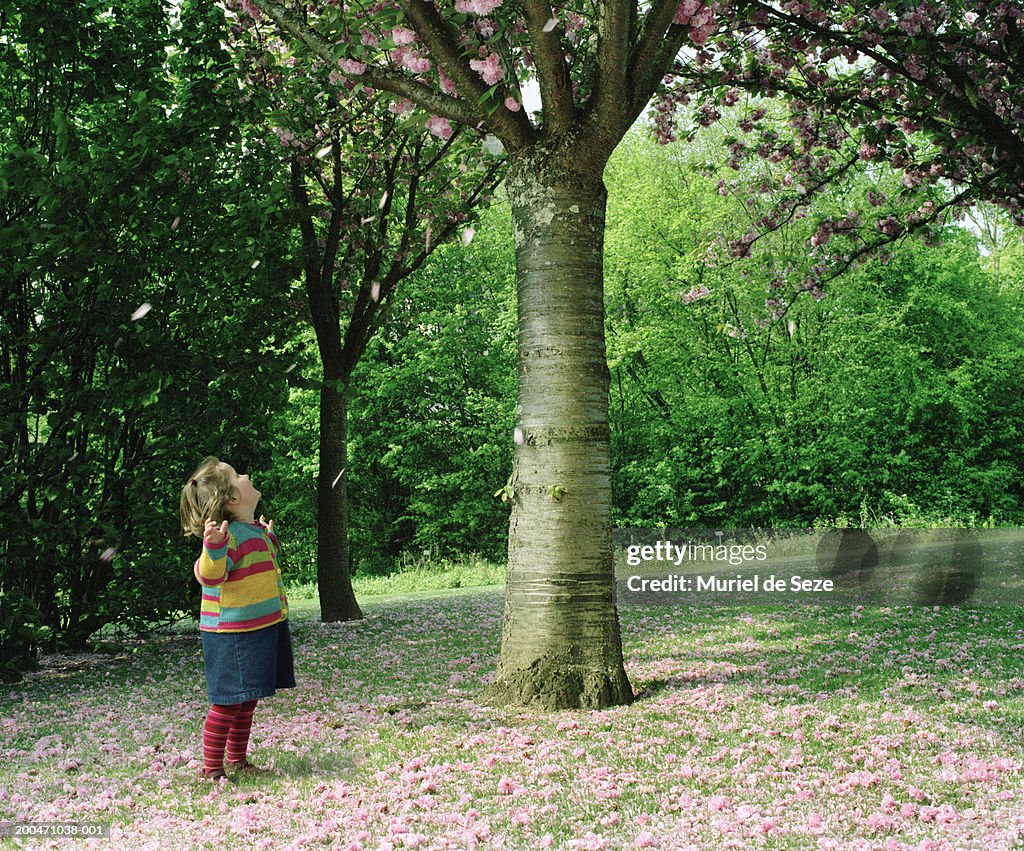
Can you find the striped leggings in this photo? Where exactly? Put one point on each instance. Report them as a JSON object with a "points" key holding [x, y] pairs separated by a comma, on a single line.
{"points": [[227, 727]]}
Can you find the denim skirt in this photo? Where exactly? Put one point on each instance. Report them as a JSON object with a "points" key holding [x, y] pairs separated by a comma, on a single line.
{"points": [[242, 666]]}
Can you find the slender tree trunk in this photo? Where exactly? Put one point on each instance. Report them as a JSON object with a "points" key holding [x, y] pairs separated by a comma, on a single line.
{"points": [[333, 558], [333, 561], [561, 646]]}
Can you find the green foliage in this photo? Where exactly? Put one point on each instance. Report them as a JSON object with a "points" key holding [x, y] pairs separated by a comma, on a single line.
{"points": [[133, 176], [131, 298], [20, 634], [895, 400], [431, 413], [898, 395], [289, 479]]}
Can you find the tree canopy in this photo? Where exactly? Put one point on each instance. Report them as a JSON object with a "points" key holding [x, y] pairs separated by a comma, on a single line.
{"points": [[933, 90]]}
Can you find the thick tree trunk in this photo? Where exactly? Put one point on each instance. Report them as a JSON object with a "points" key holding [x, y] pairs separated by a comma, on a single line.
{"points": [[333, 569], [561, 646]]}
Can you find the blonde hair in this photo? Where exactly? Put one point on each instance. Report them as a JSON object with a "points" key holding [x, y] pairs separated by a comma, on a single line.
{"points": [[205, 496]]}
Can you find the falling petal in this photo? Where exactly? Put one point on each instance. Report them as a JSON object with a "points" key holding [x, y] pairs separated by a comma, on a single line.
{"points": [[375, 291], [492, 144], [176, 222], [467, 235], [337, 478], [550, 25], [517, 435], [367, 220], [108, 554], [254, 264], [142, 310], [383, 201], [323, 152], [73, 457], [792, 327], [290, 368], [428, 235]]}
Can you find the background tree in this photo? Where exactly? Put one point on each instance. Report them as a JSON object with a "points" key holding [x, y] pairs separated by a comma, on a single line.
{"points": [[432, 405], [374, 195], [1000, 241], [128, 235]]}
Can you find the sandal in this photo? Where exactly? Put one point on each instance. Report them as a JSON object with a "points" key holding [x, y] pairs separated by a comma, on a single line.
{"points": [[214, 776]]}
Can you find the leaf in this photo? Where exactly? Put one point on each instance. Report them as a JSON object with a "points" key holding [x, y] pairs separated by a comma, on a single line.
{"points": [[489, 93]]}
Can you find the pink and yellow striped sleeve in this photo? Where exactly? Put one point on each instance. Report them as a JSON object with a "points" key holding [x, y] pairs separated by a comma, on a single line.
{"points": [[213, 564]]}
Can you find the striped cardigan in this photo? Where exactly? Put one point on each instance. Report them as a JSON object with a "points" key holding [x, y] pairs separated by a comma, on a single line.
{"points": [[242, 585]]}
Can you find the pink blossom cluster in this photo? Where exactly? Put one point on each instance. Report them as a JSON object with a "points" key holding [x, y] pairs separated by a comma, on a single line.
{"points": [[698, 17], [830, 227], [477, 7], [351, 66], [489, 68], [666, 109], [947, 73], [402, 36], [890, 226], [694, 294], [440, 127], [411, 59], [250, 8]]}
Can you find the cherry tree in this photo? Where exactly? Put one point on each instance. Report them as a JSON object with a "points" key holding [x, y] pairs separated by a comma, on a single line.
{"points": [[934, 91], [596, 66]]}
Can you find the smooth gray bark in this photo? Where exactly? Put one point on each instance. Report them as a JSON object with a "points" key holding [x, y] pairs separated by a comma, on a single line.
{"points": [[561, 646]]}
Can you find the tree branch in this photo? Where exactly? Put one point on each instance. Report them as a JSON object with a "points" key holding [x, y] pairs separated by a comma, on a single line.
{"points": [[646, 62], [647, 77], [323, 306], [383, 79], [438, 103], [490, 179], [332, 240], [552, 70], [611, 95], [513, 128]]}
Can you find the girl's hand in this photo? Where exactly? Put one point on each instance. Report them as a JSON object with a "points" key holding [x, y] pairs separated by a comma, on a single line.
{"points": [[270, 525], [215, 536]]}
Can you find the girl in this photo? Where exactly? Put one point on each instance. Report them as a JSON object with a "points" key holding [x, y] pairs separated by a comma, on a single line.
{"points": [[243, 619]]}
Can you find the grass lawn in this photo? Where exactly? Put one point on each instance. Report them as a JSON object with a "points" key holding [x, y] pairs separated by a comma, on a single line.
{"points": [[810, 728]]}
